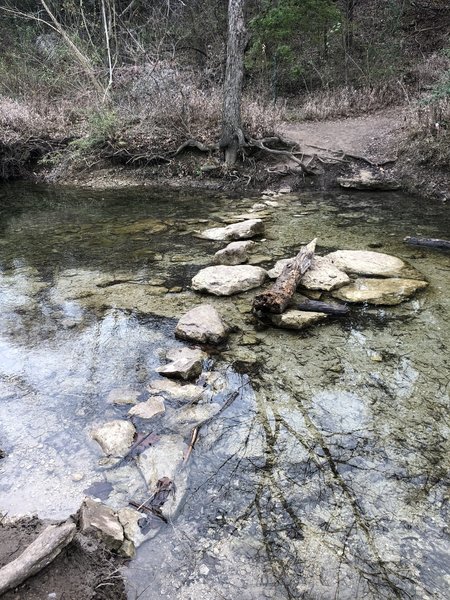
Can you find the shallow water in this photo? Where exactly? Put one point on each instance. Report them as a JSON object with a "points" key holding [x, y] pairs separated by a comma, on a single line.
{"points": [[327, 477]]}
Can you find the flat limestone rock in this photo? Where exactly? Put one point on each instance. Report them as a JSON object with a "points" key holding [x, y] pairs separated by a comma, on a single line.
{"points": [[129, 519], [186, 363], [162, 459], [115, 437], [149, 409], [176, 391], [202, 324], [365, 179], [236, 231], [297, 319], [322, 274], [225, 280], [99, 518], [366, 262], [122, 396], [194, 415], [380, 291], [235, 253]]}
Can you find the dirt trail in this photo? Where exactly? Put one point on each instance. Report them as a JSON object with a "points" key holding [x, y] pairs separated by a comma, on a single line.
{"points": [[374, 136]]}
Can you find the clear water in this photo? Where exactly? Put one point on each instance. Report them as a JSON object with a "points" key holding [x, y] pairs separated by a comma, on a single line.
{"points": [[327, 478]]}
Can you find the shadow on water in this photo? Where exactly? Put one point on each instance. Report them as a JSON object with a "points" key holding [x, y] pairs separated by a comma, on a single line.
{"points": [[327, 478]]}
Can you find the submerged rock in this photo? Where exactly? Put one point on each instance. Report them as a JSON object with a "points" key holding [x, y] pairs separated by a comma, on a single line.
{"points": [[176, 391], [122, 396], [186, 363], [115, 437], [226, 280], [194, 415], [235, 253], [297, 319], [380, 291], [236, 231], [322, 275], [162, 459], [149, 409], [98, 518], [202, 324], [366, 262]]}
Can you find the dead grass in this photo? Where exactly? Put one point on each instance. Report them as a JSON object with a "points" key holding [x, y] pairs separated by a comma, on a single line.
{"points": [[347, 102]]}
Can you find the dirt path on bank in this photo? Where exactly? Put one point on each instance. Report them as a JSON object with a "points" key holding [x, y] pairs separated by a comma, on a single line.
{"points": [[374, 137]]}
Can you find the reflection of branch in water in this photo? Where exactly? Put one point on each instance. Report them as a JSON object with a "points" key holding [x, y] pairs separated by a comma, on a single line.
{"points": [[360, 520]]}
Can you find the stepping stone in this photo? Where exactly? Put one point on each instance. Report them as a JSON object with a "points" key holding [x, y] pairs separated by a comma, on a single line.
{"points": [[380, 291], [186, 363], [202, 324], [236, 231], [226, 280]]}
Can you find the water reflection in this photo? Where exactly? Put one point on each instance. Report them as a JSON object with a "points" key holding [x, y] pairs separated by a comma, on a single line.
{"points": [[328, 478]]}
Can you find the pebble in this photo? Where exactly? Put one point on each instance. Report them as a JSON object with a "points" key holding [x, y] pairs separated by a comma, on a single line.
{"points": [[203, 570], [77, 476]]}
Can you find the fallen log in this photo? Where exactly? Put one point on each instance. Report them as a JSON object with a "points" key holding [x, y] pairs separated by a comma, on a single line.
{"points": [[428, 242], [277, 298], [336, 310], [37, 555]]}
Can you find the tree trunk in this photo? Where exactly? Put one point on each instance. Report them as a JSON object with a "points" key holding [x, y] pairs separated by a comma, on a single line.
{"points": [[279, 296], [232, 137]]}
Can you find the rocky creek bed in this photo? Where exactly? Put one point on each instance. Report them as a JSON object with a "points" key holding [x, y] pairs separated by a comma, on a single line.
{"points": [[274, 463]]}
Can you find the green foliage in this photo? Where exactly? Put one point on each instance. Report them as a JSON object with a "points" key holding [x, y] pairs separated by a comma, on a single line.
{"points": [[102, 127], [290, 34]]}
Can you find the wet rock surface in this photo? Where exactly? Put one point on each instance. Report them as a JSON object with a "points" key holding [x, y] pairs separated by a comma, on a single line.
{"points": [[114, 437], [202, 324], [322, 275], [185, 363], [225, 280], [103, 521], [366, 179], [147, 410], [297, 319], [245, 230], [365, 262], [235, 253], [386, 292]]}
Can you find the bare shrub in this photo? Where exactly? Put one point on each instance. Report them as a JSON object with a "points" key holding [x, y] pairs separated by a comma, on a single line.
{"points": [[17, 120], [349, 101]]}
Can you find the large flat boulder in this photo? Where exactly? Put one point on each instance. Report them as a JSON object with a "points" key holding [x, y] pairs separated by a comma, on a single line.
{"points": [[380, 291], [185, 363], [322, 274], [224, 280], [236, 231], [235, 253], [297, 319], [202, 324], [366, 262], [115, 437]]}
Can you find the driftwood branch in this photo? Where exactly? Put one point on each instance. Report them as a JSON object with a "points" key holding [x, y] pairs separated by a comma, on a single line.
{"points": [[277, 298], [37, 556], [336, 310], [428, 242]]}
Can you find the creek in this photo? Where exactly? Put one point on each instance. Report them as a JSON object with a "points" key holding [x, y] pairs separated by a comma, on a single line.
{"points": [[326, 478]]}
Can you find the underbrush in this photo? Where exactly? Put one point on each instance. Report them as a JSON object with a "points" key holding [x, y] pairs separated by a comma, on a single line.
{"points": [[348, 102]]}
